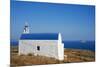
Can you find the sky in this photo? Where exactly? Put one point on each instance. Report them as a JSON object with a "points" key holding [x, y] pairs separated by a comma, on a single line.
{"points": [[74, 22]]}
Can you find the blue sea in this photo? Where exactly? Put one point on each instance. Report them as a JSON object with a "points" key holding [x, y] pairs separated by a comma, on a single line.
{"points": [[88, 45]]}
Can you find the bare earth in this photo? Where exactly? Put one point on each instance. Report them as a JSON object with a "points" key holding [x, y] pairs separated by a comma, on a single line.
{"points": [[70, 56]]}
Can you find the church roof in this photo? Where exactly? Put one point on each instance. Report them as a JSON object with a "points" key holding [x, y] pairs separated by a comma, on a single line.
{"points": [[39, 36]]}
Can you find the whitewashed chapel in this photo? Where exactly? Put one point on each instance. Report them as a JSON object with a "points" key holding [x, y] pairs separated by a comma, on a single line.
{"points": [[44, 44]]}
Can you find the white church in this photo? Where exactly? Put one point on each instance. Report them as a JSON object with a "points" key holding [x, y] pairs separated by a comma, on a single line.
{"points": [[43, 44]]}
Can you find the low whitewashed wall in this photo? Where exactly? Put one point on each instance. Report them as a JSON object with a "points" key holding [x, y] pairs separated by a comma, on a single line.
{"points": [[48, 48]]}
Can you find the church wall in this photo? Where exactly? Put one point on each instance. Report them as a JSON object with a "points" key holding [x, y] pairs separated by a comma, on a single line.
{"points": [[61, 51], [47, 47]]}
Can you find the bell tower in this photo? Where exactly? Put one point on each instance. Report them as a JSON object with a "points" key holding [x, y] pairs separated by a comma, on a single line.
{"points": [[26, 28]]}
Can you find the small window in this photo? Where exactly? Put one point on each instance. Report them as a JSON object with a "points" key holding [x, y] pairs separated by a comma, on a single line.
{"points": [[38, 48]]}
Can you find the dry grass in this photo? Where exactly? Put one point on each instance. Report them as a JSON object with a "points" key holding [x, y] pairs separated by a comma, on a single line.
{"points": [[75, 55], [30, 60], [71, 55]]}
